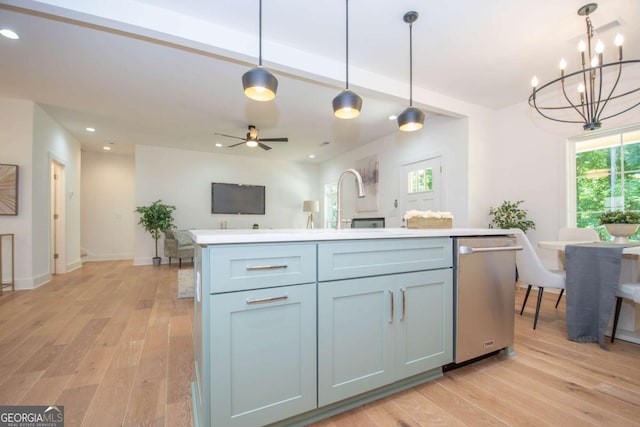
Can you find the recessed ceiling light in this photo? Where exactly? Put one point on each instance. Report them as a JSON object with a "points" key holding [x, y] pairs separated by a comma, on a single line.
{"points": [[9, 34], [106, 148], [312, 156], [393, 117], [218, 145], [90, 129]]}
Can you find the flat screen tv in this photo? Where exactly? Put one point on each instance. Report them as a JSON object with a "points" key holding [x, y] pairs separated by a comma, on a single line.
{"points": [[237, 199]]}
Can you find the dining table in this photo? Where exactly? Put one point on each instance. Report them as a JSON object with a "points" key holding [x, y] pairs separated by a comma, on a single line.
{"points": [[593, 271]]}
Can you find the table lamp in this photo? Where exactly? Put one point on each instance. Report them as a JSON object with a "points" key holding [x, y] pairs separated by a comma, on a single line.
{"points": [[310, 206]]}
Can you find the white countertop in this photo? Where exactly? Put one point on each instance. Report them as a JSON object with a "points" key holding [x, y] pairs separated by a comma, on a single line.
{"points": [[216, 237]]}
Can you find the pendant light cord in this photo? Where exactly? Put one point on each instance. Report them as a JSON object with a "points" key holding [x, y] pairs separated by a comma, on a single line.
{"points": [[347, 43], [411, 64], [260, 35]]}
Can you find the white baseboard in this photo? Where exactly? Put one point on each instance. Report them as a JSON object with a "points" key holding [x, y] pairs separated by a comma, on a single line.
{"points": [[149, 261], [74, 265], [108, 257]]}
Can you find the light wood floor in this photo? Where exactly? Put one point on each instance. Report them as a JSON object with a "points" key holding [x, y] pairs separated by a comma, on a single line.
{"points": [[113, 345]]}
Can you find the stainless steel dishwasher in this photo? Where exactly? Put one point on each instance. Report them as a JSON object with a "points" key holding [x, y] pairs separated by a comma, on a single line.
{"points": [[484, 295]]}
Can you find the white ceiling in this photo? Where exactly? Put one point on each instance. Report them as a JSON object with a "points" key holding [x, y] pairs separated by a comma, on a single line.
{"points": [[170, 86]]}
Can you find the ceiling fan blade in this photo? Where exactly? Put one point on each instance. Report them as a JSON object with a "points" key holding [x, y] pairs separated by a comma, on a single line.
{"points": [[229, 136], [275, 139], [235, 145], [264, 147]]}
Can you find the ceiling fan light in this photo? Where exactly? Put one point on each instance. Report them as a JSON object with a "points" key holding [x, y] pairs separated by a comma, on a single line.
{"points": [[252, 143], [259, 84], [411, 119], [347, 105]]}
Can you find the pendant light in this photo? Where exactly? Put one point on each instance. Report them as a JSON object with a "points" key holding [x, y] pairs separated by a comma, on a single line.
{"points": [[347, 104], [259, 84], [412, 118]]}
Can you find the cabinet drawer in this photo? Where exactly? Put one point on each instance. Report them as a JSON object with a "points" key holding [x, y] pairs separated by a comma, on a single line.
{"points": [[344, 260], [235, 268]]}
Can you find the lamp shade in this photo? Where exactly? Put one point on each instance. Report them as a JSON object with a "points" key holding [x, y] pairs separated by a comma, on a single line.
{"points": [[410, 119], [259, 84], [310, 206], [347, 105]]}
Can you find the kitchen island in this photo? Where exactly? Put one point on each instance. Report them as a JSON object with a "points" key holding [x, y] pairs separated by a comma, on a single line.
{"points": [[291, 326]]}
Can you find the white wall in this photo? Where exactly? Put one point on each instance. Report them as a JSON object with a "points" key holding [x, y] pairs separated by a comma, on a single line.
{"points": [[183, 178], [52, 142], [107, 207], [16, 122], [31, 139], [440, 136]]}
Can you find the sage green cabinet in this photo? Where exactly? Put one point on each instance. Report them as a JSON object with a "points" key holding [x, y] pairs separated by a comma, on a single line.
{"points": [[286, 331], [263, 355], [255, 333], [374, 331]]}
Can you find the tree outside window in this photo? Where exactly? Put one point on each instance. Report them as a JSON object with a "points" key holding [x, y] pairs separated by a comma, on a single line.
{"points": [[607, 177], [420, 180]]}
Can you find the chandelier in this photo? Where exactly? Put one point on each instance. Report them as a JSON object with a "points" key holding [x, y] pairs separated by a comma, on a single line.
{"points": [[594, 95]]}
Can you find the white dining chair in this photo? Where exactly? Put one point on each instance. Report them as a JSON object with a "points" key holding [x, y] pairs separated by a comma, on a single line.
{"points": [[629, 291], [533, 273], [578, 234]]}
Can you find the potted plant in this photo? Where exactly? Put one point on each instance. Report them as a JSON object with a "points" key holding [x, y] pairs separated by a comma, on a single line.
{"points": [[510, 215], [155, 219], [620, 224]]}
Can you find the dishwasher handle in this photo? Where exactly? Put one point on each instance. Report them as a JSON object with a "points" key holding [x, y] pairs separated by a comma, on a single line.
{"points": [[466, 250]]}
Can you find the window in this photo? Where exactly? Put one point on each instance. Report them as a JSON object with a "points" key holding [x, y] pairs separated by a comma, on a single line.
{"points": [[419, 181], [607, 177], [330, 205]]}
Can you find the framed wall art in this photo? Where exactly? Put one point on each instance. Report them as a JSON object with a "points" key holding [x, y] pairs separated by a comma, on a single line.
{"points": [[369, 169], [8, 189]]}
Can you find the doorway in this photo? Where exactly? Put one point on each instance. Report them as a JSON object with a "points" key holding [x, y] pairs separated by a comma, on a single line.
{"points": [[421, 185], [58, 254]]}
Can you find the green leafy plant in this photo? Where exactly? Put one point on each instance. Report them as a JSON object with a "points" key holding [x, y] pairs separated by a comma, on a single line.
{"points": [[510, 215], [620, 217], [156, 218]]}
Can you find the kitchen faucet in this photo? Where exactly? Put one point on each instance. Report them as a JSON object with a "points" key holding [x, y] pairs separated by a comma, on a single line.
{"points": [[360, 192]]}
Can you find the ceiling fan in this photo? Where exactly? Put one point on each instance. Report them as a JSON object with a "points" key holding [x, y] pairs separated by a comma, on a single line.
{"points": [[252, 139]]}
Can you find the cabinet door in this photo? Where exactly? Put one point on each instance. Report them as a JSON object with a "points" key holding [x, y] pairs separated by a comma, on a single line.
{"points": [[263, 355], [424, 325], [354, 337]]}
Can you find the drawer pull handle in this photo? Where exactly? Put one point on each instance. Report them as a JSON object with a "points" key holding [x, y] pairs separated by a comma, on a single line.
{"points": [[465, 250], [404, 304], [267, 300], [392, 308], [265, 267]]}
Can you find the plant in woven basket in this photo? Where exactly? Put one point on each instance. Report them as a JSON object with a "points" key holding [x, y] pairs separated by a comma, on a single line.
{"points": [[510, 215]]}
